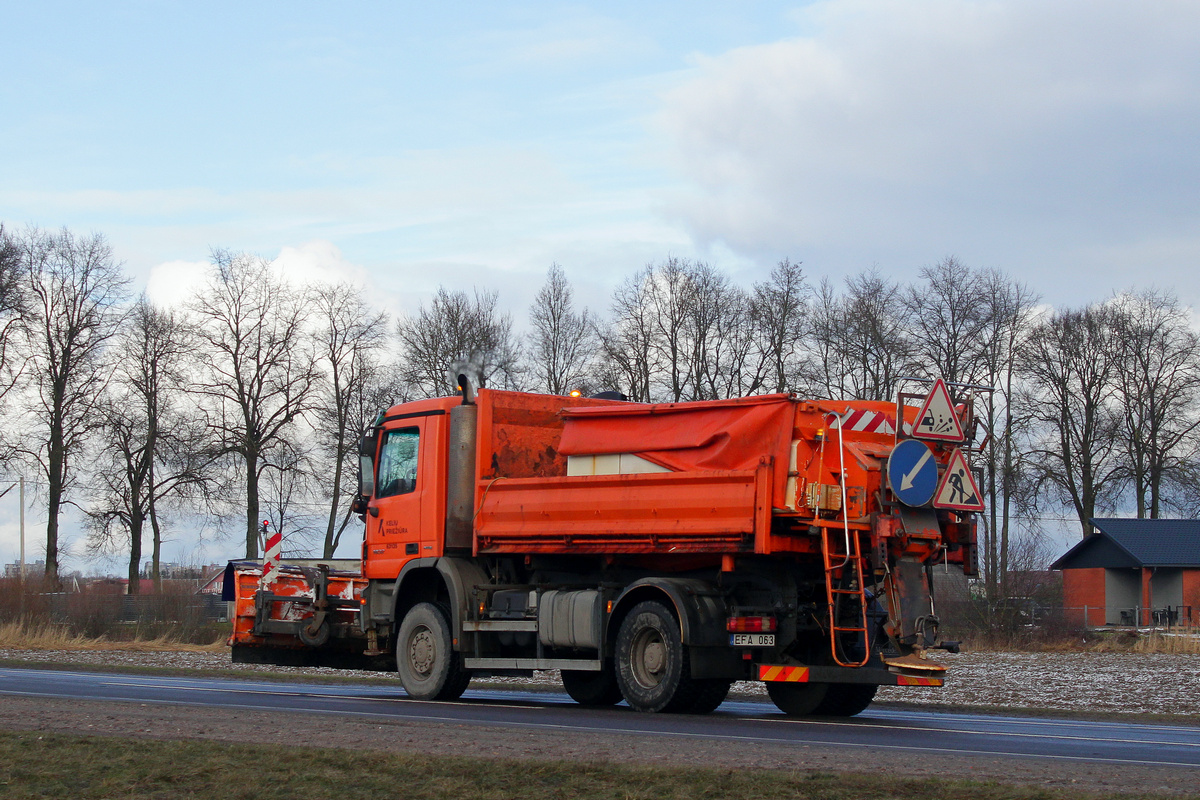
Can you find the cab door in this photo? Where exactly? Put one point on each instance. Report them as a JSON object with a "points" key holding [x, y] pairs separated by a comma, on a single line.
{"points": [[394, 514]]}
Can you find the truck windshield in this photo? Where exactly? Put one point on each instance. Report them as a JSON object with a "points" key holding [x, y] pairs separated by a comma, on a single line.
{"points": [[398, 462]]}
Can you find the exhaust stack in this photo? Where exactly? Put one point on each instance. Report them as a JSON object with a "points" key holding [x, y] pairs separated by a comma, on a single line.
{"points": [[460, 483]]}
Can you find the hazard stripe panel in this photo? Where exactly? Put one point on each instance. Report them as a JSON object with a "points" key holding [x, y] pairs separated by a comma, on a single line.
{"points": [[911, 680], [868, 421], [767, 672]]}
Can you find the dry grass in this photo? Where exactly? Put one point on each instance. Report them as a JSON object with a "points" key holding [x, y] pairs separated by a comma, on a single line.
{"points": [[35, 765], [1179, 640], [35, 635], [1176, 641], [174, 618]]}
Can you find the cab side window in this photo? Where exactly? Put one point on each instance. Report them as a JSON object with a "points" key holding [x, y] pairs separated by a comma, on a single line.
{"points": [[398, 462]]}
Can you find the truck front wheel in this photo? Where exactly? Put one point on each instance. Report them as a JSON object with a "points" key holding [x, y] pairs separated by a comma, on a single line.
{"points": [[429, 667], [652, 663]]}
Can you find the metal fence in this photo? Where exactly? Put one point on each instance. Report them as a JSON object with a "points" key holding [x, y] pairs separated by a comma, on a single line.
{"points": [[1184, 616]]}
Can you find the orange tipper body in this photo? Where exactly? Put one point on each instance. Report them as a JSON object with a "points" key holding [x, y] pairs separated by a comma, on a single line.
{"points": [[511, 531], [702, 477]]}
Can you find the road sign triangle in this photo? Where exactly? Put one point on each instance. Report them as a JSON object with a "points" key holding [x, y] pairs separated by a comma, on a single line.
{"points": [[958, 490], [937, 420]]}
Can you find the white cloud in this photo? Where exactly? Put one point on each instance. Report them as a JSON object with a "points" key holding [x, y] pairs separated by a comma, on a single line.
{"points": [[318, 262], [174, 283], [1031, 136]]}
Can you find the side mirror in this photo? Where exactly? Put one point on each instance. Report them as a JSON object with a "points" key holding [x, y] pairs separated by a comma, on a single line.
{"points": [[366, 465], [366, 476]]}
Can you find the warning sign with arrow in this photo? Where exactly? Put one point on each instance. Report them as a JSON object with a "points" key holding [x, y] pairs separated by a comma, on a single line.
{"points": [[958, 490], [912, 472], [936, 420]]}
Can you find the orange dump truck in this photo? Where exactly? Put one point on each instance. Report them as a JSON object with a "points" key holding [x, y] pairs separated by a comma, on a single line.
{"points": [[651, 552]]}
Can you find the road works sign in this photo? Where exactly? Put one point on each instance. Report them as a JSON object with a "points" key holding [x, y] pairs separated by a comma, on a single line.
{"points": [[937, 420], [958, 491], [912, 472]]}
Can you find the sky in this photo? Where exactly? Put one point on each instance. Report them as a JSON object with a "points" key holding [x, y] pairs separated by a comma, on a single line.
{"points": [[410, 145]]}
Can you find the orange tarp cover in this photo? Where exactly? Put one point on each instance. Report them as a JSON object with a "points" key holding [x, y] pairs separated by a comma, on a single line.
{"points": [[704, 435]]}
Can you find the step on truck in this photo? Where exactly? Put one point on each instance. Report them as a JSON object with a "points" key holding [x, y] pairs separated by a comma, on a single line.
{"points": [[652, 553]]}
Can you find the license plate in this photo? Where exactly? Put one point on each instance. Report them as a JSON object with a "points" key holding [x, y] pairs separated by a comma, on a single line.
{"points": [[752, 639]]}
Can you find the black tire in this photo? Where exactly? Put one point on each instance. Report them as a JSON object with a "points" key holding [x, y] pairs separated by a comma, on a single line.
{"points": [[797, 699], [429, 667], [711, 693], [846, 699], [592, 688], [314, 638], [652, 663]]}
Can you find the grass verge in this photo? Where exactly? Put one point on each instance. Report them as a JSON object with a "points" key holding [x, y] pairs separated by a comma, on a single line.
{"points": [[54, 765], [42, 635]]}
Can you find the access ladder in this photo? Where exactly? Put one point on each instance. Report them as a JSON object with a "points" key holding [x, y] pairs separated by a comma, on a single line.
{"points": [[845, 569]]}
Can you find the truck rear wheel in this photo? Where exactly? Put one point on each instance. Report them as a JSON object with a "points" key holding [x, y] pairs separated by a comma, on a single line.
{"points": [[592, 688], [652, 663], [797, 699], [846, 699], [710, 694], [429, 667]]}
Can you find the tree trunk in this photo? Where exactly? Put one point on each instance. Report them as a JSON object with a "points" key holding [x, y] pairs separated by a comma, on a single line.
{"points": [[155, 548], [54, 477], [136, 523], [330, 539], [251, 505]]}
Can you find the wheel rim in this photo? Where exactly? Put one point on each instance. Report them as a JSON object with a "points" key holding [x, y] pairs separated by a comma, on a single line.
{"points": [[649, 659], [422, 651]]}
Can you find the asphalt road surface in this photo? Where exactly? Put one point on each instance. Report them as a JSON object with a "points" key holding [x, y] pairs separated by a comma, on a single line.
{"points": [[913, 734]]}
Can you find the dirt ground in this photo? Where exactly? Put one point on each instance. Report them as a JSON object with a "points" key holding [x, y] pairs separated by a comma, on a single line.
{"points": [[1068, 681]]}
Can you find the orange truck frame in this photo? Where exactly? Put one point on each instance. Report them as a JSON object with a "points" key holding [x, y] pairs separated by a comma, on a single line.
{"points": [[653, 553]]}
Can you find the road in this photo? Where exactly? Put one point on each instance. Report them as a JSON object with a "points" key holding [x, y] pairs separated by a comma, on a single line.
{"points": [[907, 734]]}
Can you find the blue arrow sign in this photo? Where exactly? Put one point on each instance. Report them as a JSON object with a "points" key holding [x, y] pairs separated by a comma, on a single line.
{"points": [[912, 473]]}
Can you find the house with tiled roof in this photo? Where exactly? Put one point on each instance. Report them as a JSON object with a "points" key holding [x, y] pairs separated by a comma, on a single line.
{"points": [[1134, 572]]}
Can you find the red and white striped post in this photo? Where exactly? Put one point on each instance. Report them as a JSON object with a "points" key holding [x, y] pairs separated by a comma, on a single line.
{"points": [[272, 551]]}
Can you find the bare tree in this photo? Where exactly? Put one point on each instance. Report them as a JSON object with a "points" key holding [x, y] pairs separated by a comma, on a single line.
{"points": [[826, 365], [780, 311], [14, 310], [670, 293], [289, 488], [260, 372], [351, 339], [152, 446], [724, 357], [948, 320], [1070, 368], [1008, 311], [456, 328], [628, 356], [1158, 374], [859, 339], [75, 288], [563, 340], [681, 330]]}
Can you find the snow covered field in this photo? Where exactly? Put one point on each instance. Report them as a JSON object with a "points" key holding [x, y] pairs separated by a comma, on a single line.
{"points": [[1130, 683]]}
